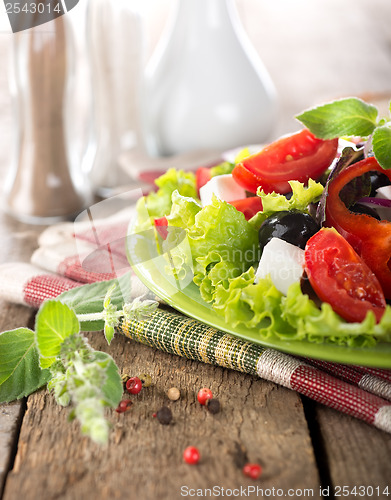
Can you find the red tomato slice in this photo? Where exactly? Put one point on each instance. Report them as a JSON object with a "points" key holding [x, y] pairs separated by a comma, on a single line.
{"points": [[298, 157], [249, 206], [161, 224], [250, 181], [203, 175], [340, 277]]}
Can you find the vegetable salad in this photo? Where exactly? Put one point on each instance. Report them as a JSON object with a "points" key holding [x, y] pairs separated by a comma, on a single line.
{"points": [[293, 241]]}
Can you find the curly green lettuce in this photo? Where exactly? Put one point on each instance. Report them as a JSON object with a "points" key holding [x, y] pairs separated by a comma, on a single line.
{"points": [[183, 210], [293, 317], [159, 203], [222, 243]]}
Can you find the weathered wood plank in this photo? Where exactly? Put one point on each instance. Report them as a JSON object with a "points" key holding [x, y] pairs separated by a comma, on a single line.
{"points": [[357, 454], [10, 416], [18, 242], [144, 458]]}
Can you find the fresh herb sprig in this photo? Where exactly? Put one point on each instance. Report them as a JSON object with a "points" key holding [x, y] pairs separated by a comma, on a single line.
{"points": [[57, 353], [351, 117]]}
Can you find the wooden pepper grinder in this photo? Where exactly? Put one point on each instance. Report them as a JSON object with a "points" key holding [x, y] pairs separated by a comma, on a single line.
{"points": [[46, 183]]}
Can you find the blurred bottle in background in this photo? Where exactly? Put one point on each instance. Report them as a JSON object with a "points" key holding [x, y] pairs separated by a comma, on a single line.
{"points": [[116, 50], [206, 87]]}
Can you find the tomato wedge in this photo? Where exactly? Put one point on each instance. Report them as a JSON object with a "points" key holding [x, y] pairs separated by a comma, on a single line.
{"points": [[299, 157], [161, 225], [203, 175], [341, 278], [249, 206]]}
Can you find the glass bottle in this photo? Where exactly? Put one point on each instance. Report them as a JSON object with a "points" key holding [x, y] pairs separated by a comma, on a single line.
{"points": [[206, 87], [46, 183], [116, 49]]}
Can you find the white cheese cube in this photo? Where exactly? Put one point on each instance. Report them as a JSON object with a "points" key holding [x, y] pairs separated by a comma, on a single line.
{"points": [[224, 187], [284, 263]]}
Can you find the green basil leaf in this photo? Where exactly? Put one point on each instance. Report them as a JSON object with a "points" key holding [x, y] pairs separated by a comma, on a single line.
{"points": [[349, 116], [113, 387], [54, 323], [20, 373], [88, 299], [381, 145]]}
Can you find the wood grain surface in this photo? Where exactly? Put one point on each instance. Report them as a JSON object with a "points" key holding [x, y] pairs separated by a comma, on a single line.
{"points": [[314, 51], [264, 421]]}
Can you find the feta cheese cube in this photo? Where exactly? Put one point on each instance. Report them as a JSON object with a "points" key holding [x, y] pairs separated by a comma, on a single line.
{"points": [[284, 263], [223, 187]]}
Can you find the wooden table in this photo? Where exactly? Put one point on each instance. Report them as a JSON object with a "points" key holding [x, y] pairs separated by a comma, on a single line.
{"points": [[314, 51]]}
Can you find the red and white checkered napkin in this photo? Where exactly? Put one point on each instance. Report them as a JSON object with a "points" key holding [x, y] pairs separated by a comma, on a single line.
{"points": [[57, 266]]}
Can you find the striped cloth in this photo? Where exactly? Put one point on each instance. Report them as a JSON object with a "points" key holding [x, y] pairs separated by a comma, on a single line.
{"points": [[57, 266], [177, 334]]}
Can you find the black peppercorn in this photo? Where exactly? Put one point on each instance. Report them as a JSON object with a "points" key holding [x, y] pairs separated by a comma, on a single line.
{"points": [[164, 415], [213, 406]]}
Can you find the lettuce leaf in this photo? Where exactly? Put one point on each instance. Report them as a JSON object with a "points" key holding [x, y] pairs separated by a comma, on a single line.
{"points": [[222, 243], [223, 168], [301, 197], [318, 325], [294, 317], [243, 153], [256, 305], [183, 211], [159, 203]]}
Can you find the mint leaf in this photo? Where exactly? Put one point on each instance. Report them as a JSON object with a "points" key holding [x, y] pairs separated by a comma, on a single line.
{"points": [[20, 373], [113, 387], [88, 299], [349, 116], [54, 323], [381, 145]]}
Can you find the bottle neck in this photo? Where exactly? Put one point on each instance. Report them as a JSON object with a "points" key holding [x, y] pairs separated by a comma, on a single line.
{"points": [[201, 14]]}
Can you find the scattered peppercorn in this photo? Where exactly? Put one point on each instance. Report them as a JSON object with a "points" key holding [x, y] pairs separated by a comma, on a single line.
{"points": [[203, 395], [124, 405], [125, 377], [173, 393], [146, 379], [252, 470], [213, 406], [191, 455], [133, 385], [164, 415]]}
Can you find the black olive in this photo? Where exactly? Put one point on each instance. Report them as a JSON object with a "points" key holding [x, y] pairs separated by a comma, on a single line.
{"points": [[378, 180], [357, 208], [293, 227]]}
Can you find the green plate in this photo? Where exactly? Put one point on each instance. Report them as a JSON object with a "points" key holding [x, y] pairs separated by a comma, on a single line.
{"points": [[149, 266]]}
